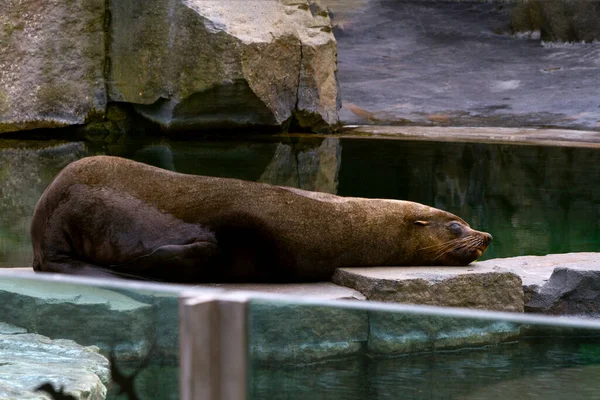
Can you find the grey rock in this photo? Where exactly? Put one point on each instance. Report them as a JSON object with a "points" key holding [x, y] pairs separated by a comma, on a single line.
{"points": [[297, 333], [88, 315], [398, 333], [473, 286], [30, 360], [560, 284], [51, 63], [208, 63]]}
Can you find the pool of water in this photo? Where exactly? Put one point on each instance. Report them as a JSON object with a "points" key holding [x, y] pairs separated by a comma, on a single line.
{"points": [[534, 368], [534, 200]]}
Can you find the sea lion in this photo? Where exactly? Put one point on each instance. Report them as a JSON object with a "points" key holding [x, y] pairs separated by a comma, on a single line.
{"points": [[109, 216]]}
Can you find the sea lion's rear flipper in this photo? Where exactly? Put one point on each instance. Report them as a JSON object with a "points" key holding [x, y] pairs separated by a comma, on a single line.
{"points": [[185, 262]]}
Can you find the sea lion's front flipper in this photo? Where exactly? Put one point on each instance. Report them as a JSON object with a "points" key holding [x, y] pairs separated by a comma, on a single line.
{"points": [[183, 261]]}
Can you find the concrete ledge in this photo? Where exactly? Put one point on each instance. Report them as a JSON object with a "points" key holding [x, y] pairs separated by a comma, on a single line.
{"points": [[531, 136]]}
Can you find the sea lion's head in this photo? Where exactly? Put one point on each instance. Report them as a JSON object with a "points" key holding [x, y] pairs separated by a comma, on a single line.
{"points": [[441, 238]]}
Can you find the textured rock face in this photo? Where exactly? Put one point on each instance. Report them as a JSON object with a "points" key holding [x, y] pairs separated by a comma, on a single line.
{"points": [[297, 333], [196, 62], [393, 333], [182, 63], [29, 360], [51, 63], [473, 287], [90, 316], [558, 284]]}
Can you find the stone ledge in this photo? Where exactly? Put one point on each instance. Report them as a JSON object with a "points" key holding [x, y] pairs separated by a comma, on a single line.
{"points": [[90, 316], [320, 290], [29, 360], [557, 284], [475, 286]]}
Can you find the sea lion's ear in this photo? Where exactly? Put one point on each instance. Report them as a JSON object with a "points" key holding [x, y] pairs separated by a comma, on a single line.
{"points": [[422, 223]]}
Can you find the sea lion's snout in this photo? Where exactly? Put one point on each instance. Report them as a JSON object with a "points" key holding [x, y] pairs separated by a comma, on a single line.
{"points": [[488, 238], [481, 243]]}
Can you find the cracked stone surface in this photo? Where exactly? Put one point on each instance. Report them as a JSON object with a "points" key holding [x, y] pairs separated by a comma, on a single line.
{"points": [[194, 63]]}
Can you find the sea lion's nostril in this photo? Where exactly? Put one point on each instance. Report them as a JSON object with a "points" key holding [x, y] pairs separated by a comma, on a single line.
{"points": [[489, 238]]}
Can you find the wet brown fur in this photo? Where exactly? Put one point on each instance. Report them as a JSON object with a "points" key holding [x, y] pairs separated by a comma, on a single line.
{"points": [[108, 216]]}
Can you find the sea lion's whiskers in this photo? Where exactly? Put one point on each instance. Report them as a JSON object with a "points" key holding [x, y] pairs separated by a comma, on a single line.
{"points": [[461, 243], [444, 247], [449, 246], [440, 245]]}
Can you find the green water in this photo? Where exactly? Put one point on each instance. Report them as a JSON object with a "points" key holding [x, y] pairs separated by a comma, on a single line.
{"points": [[534, 368], [533, 200]]}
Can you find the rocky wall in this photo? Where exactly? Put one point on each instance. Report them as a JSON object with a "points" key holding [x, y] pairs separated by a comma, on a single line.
{"points": [[181, 64]]}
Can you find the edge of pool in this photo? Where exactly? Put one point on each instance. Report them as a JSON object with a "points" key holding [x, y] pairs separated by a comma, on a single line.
{"points": [[499, 135]]}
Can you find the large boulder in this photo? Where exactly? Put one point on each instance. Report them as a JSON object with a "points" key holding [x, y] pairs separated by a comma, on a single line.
{"points": [[207, 63], [182, 64], [51, 63]]}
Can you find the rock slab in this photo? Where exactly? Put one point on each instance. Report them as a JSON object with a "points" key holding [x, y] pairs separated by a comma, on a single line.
{"points": [[558, 284], [484, 288], [29, 360], [292, 333], [88, 315]]}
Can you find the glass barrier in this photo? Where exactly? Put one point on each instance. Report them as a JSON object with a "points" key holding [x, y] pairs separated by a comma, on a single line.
{"points": [[76, 333], [64, 330], [350, 350]]}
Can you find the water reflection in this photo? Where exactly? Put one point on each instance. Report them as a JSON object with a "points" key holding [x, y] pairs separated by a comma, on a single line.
{"points": [[534, 200], [26, 168], [556, 368]]}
